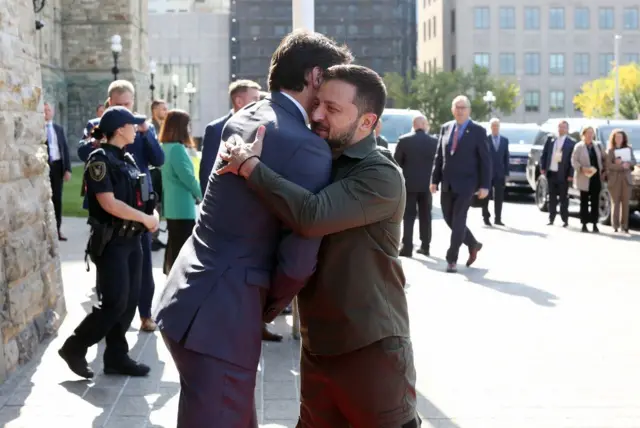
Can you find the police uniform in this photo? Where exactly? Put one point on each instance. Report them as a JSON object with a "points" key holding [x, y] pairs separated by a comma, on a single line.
{"points": [[115, 248]]}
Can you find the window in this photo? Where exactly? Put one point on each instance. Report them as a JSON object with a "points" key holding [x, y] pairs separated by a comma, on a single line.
{"points": [[424, 66], [605, 18], [481, 18], [280, 30], [581, 18], [353, 30], [605, 62], [255, 30], [630, 18], [532, 101], [531, 63], [434, 26], [556, 64], [507, 18], [424, 31], [481, 60], [531, 18], [632, 58], [581, 64], [556, 18], [453, 62], [453, 21], [429, 29], [379, 29], [507, 63], [556, 101]]}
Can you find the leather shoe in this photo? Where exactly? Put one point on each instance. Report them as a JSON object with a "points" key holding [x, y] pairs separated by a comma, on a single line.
{"points": [[424, 251], [451, 268], [473, 254], [406, 251], [76, 360], [499, 223], [268, 336], [127, 367]]}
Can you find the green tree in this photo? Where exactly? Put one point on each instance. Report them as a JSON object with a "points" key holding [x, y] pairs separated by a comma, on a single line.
{"points": [[432, 93], [597, 97]]}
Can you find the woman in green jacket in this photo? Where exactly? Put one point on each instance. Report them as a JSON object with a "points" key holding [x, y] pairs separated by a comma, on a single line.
{"points": [[180, 188]]}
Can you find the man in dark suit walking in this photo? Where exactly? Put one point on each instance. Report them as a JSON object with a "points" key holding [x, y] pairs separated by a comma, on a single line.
{"points": [[463, 166], [242, 93], [415, 153], [242, 265], [499, 149], [59, 162], [555, 165]]}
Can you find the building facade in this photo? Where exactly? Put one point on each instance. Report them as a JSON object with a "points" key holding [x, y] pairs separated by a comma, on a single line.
{"points": [[550, 49], [74, 50], [31, 289], [380, 33], [189, 40]]}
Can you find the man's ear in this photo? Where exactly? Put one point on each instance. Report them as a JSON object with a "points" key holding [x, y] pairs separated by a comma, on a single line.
{"points": [[368, 121], [315, 78]]}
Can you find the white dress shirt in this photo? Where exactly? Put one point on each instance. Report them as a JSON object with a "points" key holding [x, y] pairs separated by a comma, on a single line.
{"points": [[52, 138], [557, 147]]}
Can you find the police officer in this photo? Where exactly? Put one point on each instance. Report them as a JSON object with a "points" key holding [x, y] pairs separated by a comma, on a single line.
{"points": [[120, 211]]}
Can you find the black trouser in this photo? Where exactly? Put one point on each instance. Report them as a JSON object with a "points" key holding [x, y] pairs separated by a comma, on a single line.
{"points": [[558, 189], [590, 201], [56, 173], [454, 210], [418, 203], [118, 280], [498, 200]]}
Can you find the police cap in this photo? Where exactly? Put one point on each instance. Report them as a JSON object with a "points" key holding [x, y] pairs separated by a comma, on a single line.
{"points": [[116, 117]]}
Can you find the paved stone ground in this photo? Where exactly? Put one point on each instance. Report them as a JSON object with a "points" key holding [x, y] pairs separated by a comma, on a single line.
{"points": [[541, 333]]}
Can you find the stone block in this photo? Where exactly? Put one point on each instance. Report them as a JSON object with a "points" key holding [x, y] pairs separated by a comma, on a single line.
{"points": [[11, 355], [20, 252], [25, 299]]}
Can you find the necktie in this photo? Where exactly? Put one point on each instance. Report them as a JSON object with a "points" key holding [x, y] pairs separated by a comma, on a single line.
{"points": [[454, 146]]}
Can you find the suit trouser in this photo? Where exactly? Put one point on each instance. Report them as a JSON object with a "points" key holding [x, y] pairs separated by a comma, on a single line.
{"points": [[118, 276], [498, 200], [620, 195], [590, 202], [418, 203], [372, 387], [56, 173], [147, 286], [454, 210], [213, 393], [558, 189]]}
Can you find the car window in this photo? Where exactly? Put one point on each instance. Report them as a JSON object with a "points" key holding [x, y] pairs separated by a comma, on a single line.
{"points": [[541, 138], [395, 125], [519, 135]]}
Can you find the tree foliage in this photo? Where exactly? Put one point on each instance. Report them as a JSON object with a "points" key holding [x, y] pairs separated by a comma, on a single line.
{"points": [[432, 93], [597, 97]]}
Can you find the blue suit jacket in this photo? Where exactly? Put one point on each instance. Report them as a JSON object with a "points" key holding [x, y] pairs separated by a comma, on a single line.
{"points": [[565, 169], [62, 147], [145, 150], [499, 158], [241, 257], [469, 168], [210, 145]]}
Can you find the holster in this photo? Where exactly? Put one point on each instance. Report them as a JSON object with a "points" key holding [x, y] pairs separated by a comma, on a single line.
{"points": [[98, 239]]}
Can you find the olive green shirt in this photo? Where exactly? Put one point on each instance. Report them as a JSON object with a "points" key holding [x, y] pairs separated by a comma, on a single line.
{"points": [[356, 295]]}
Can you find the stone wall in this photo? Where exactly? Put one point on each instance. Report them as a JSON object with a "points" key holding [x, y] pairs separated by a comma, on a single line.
{"points": [[31, 292]]}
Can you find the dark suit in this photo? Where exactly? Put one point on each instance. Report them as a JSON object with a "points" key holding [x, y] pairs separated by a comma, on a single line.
{"points": [[415, 154], [240, 267], [461, 174], [57, 169], [210, 145], [558, 181], [499, 173]]}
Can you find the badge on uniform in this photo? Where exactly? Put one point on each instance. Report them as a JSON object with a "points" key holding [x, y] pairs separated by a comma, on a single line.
{"points": [[97, 171]]}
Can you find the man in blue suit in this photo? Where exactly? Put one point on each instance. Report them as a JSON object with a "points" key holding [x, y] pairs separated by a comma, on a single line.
{"points": [[146, 151], [499, 150], [242, 266], [463, 166], [241, 93]]}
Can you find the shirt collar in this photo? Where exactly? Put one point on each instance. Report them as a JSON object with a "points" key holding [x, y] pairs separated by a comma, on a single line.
{"points": [[362, 148], [302, 110], [48, 122]]}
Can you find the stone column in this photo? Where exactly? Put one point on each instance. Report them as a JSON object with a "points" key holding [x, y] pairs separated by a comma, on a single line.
{"points": [[31, 293], [87, 27]]}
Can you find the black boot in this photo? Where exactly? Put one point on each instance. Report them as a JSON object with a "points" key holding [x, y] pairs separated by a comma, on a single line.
{"points": [[74, 354], [406, 251], [126, 367]]}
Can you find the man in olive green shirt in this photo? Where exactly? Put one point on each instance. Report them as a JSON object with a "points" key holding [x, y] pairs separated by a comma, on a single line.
{"points": [[357, 359]]}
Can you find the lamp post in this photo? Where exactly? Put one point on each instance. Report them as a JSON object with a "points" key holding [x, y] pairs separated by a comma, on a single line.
{"points": [[190, 90], [175, 80], [616, 56], [116, 48], [489, 98], [152, 73]]}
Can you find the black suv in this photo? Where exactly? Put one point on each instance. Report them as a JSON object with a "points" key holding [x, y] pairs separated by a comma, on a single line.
{"points": [[603, 128]]}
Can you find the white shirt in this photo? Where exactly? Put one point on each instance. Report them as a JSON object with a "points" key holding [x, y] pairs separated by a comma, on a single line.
{"points": [[557, 147], [302, 110], [52, 138]]}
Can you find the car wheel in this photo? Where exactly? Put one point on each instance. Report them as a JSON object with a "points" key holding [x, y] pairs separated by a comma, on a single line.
{"points": [[604, 207], [542, 194]]}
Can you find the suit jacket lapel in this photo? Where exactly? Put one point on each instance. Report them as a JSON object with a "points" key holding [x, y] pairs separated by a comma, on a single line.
{"points": [[286, 104], [447, 140]]}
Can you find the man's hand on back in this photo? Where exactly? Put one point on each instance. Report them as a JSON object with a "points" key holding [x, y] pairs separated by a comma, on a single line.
{"points": [[241, 158]]}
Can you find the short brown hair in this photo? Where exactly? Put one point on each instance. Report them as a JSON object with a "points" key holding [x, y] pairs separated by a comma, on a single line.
{"points": [[612, 138], [156, 103], [584, 130], [120, 86], [175, 128], [240, 86]]}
